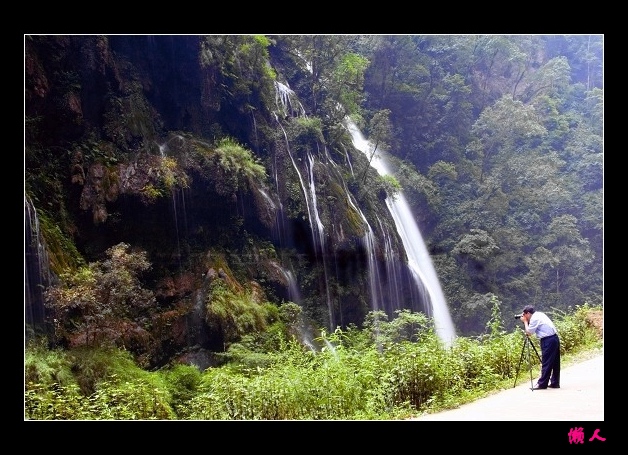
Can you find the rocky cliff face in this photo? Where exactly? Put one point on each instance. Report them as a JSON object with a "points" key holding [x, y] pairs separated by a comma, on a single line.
{"points": [[122, 145]]}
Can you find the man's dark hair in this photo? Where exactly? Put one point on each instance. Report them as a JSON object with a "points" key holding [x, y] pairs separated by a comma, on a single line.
{"points": [[528, 309]]}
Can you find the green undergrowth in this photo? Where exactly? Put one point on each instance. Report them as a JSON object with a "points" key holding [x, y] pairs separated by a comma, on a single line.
{"points": [[387, 370]]}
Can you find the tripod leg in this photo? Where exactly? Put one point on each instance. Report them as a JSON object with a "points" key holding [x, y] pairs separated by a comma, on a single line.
{"points": [[536, 351], [530, 361], [520, 360]]}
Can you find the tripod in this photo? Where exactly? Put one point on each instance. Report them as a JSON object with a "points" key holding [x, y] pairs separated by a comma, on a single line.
{"points": [[526, 343]]}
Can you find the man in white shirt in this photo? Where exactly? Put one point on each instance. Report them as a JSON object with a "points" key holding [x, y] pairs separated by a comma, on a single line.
{"points": [[539, 324]]}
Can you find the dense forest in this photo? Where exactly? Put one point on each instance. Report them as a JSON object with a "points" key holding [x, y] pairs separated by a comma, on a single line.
{"points": [[186, 193]]}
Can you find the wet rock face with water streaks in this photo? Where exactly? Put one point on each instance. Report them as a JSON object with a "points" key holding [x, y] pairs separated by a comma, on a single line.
{"points": [[141, 168], [104, 184]]}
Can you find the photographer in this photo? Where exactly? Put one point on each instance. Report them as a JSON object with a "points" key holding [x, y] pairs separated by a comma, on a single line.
{"points": [[539, 324]]}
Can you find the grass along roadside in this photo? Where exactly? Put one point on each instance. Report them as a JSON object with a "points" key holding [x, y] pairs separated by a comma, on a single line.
{"points": [[567, 359]]}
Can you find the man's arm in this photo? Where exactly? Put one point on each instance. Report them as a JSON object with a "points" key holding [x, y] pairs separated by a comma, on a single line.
{"points": [[527, 327], [531, 325]]}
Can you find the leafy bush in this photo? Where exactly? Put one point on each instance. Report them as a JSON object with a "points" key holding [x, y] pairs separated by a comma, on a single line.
{"points": [[574, 329], [47, 366], [104, 303], [183, 380], [105, 383], [55, 403], [131, 400], [233, 314]]}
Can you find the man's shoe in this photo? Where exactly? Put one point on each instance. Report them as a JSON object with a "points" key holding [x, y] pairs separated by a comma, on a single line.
{"points": [[536, 387], [554, 386]]}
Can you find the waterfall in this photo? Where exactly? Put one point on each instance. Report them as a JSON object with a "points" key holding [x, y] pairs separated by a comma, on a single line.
{"points": [[419, 260], [286, 101], [293, 288], [369, 243], [37, 275], [393, 270], [304, 329], [163, 148], [316, 226], [386, 290]]}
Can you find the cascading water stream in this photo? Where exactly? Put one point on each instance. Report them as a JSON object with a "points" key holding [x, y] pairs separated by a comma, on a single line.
{"points": [[284, 98], [385, 292], [305, 332], [288, 105], [393, 270], [419, 260], [369, 242], [316, 226], [37, 274], [162, 151]]}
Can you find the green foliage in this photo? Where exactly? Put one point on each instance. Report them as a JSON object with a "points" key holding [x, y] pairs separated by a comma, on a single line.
{"points": [[418, 188], [348, 78], [474, 365], [54, 403], [240, 65], [406, 326], [106, 384], [442, 170], [391, 185], [478, 245], [355, 377], [96, 151], [290, 313], [495, 325], [131, 400], [182, 382], [169, 175], [233, 314], [380, 131], [234, 158], [104, 302], [92, 365], [307, 132], [47, 366], [502, 128], [475, 310], [230, 167], [249, 355], [151, 193], [112, 401], [62, 252], [417, 373], [574, 329]]}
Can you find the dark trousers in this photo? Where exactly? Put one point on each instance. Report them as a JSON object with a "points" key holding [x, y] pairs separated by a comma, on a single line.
{"points": [[550, 361]]}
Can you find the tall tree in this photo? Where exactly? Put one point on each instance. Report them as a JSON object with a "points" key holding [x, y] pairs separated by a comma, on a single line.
{"points": [[502, 128]]}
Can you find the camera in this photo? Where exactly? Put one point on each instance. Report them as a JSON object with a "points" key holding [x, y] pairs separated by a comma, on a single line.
{"points": [[518, 316]]}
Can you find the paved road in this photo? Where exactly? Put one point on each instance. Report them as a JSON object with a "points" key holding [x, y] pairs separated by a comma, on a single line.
{"points": [[580, 398]]}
